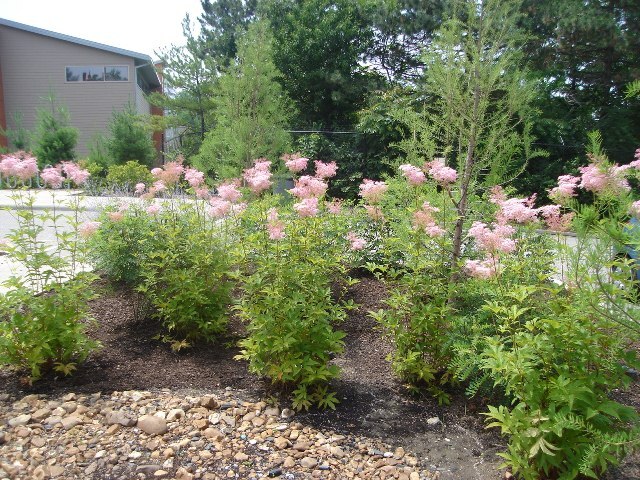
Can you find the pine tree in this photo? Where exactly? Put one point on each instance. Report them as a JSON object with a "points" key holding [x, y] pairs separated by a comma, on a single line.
{"points": [[251, 111]]}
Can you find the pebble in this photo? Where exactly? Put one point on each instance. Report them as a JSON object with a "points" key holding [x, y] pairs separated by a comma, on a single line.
{"points": [[152, 425], [433, 421], [148, 435]]}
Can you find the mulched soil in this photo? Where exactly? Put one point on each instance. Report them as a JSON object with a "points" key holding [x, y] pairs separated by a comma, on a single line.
{"points": [[373, 403]]}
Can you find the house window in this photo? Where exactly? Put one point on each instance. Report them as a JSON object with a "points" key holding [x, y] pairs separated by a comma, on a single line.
{"points": [[98, 73]]}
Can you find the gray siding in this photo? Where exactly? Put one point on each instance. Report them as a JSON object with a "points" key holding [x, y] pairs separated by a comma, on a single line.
{"points": [[33, 64]]}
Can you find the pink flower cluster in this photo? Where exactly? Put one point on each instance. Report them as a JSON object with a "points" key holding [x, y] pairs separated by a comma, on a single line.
{"points": [[170, 173], [194, 177], [565, 190], [555, 220], [334, 206], [372, 191], [275, 227], [307, 207], [308, 187], [295, 162], [413, 174], [20, 165], [483, 269], [258, 177], [53, 176], [493, 240], [423, 219], [88, 228], [325, 170], [355, 242], [519, 210], [440, 172], [226, 201]]}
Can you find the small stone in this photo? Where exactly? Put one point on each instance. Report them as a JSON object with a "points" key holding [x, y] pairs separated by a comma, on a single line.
{"points": [[274, 472], [433, 421], [336, 451], [213, 433], [281, 443], [56, 470], [90, 470], [38, 442], [200, 424], [69, 407], [241, 457], [70, 422], [206, 454], [3, 438], [183, 474], [147, 469], [214, 418], [113, 429], [289, 462], [168, 453], [508, 475], [135, 455], [272, 412], [175, 415], [19, 421], [414, 476], [40, 414], [287, 413], [160, 473], [52, 421], [121, 418], [152, 425], [209, 402], [69, 397], [258, 421], [308, 462]]}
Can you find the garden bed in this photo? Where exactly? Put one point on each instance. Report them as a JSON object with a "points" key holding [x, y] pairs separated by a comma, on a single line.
{"points": [[373, 404]]}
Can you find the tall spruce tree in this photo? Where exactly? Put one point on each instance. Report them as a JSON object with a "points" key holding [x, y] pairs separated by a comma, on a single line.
{"points": [[251, 110]]}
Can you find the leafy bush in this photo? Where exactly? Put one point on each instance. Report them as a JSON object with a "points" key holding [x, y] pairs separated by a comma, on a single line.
{"points": [[185, 275], [118, 248], [43, 316], [129, 139], [55, 140], [128, 175], [293, 259]]}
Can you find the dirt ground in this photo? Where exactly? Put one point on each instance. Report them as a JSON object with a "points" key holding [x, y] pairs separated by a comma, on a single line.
{"points": [[373, 404]]}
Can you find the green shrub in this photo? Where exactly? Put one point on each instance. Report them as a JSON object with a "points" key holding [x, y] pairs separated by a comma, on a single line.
{"points": [[185, 275], [128, 175], [129, 138], [55, 140], [47, 331], [119, 248]]}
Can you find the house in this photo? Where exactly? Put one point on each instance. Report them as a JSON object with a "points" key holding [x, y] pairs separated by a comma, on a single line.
{"points": [[89, 79]]}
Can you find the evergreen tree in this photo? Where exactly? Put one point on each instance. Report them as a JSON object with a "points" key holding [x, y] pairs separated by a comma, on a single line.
{"points": [[129, 139], [222, 21], [189, 82], [251, 111], [55, 140]]}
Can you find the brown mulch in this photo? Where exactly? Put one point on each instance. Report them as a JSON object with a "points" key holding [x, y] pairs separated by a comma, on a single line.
{"points": [[373, 403]]}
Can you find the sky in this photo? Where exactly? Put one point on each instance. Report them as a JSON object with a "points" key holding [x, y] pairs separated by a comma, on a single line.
{"points": [[143, 26]]}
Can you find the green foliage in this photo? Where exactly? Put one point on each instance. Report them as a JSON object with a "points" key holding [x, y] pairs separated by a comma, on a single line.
{"points": [[48, 331], [318, 45], [558, 365], [99, 154], [129, 139], [19, 138], [44, 314], [118, 249], [54, 139], [190, 80], [287, 302], [128, 175], [251, 110], [185, 274]]}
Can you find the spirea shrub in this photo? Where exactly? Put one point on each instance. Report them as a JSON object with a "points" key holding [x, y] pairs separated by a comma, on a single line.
{"points": [[44, 314]]}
